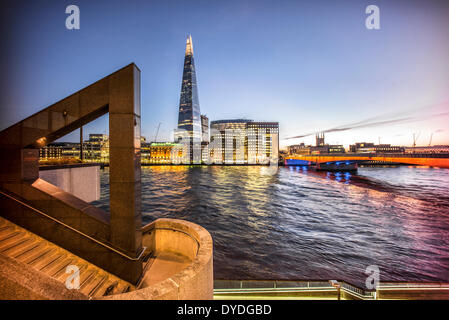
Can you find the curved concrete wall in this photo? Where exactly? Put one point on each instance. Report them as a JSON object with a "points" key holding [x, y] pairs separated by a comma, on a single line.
{"points": [[195, 282]]}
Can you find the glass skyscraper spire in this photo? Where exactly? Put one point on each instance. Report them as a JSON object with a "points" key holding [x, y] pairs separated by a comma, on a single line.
{"points": [[189, 118]]}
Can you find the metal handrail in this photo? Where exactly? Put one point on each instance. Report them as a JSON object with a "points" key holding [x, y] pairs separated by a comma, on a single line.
{"points": [[77, 231], [309, 285]]}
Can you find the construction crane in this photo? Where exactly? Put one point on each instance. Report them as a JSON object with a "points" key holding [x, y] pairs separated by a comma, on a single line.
{"points": [[157, 132], [430, 142], [415, 138]]}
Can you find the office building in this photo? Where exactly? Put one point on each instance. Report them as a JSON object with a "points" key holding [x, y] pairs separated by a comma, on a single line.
{"points": [[242, 141], [263, 141], [204, 128], [160, 153]]}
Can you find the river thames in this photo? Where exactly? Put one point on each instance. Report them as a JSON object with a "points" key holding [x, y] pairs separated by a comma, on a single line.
{"points": [[302, 224]]}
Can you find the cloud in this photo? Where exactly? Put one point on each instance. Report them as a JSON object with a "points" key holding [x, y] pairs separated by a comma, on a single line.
{"points": [[407, 116]]}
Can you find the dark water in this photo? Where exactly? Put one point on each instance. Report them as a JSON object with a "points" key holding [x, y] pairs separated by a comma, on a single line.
{"points": [[300, 224]]}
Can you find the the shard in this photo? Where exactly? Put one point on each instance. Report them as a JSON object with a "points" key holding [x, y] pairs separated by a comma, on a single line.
{"points": [[189, 118]]}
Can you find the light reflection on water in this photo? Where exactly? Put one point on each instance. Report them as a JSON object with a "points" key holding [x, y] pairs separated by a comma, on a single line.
{"points": [[302, 224]]}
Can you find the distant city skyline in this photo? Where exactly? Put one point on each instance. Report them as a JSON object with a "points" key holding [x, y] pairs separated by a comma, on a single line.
{"points": [[309, 65]]}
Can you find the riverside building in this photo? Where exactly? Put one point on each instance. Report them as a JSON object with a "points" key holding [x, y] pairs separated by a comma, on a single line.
{"points": [[242, 141]]}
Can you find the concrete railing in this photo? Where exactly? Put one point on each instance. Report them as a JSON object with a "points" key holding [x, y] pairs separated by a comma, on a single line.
{"points": [[81, 180], [185, 239]]}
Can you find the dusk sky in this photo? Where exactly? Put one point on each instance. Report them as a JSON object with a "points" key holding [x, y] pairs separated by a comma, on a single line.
{"points": [[310, 65]]}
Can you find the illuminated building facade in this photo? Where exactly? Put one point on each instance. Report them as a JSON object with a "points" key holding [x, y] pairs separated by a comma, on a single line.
{"points": [[204, 139], [51, 152], [241, 141], [335, 148], [263, 142], [229, 141], [428, 149], [320, 148], [96, 149], [70, 149], [59, 151], [160, 153], [204, 128], [189, 118], [301, 149], [366, 147], [298, 149]]}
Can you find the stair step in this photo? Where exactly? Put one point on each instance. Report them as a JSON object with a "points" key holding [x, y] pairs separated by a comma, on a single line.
{"points": [[11, 242], [87, 278], [63, 276], [53, 261], [24, 247], [15, 245], [43, 254], [27, 256], [5, 229], [94, 285], [107, 288], [56, 266], [56, 260], [8, 236], [63, 268], [42, 260]]}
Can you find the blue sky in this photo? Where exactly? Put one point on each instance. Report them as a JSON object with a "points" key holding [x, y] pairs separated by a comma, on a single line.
{"points": [[311, 65]]}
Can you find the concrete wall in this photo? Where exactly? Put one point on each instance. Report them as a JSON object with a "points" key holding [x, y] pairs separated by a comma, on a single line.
{"points": [[195, 282], [81, 181]]}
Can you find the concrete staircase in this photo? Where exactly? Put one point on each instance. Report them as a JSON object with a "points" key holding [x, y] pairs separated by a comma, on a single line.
{"points": [[52, 260]]}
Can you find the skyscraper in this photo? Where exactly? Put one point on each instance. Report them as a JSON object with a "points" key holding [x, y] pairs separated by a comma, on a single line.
{"points": [[189, 118]]}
